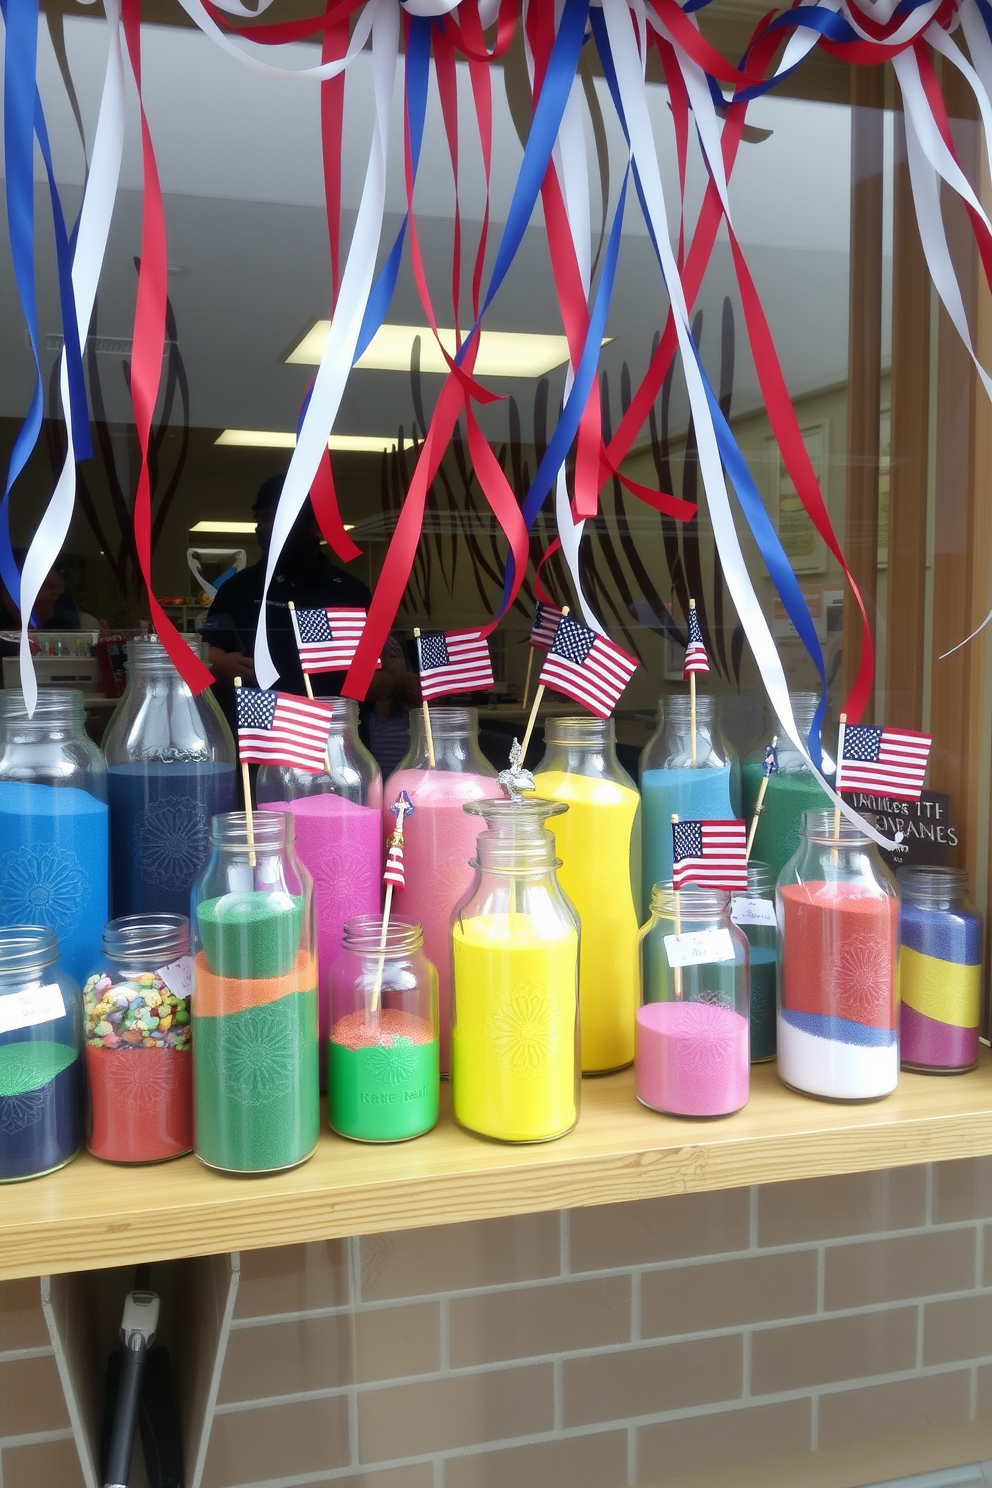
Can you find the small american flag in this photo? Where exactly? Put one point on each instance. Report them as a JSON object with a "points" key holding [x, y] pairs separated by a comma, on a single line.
{"points": [[709, 855], [587, 667], [276, 728], [454, 661], [395, 872], [542, 632], [887, 761], [696, 659], [769, 765], [328, 639]]}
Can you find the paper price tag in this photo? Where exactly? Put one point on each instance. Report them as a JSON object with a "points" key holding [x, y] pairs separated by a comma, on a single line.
{"points": [[32, 1005], [178, 976], [753, 912], [699, 947]]}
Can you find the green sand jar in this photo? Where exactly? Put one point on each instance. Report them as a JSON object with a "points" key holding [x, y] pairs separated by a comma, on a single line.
{"points": [[383, 1052], [792, 791], [256, 1101]]}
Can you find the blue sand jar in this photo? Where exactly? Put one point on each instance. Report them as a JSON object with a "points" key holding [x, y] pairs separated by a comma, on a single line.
{"points": [[53, 825], [170, 768], [41, 1071]]}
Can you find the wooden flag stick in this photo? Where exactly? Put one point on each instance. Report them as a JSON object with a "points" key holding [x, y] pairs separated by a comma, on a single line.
{"points": [[840, 756], [692, 703], [677, 897], [387, 907], [530, 663], [249, 819], [759, 807], [538, 696], [427, 715]]}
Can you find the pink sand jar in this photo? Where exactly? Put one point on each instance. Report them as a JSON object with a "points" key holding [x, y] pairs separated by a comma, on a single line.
{"points": [[439, 836], [692, 1055], [337, 819]]}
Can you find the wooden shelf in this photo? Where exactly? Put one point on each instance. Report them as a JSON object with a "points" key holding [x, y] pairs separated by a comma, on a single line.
{"points": [[92, 1214]]}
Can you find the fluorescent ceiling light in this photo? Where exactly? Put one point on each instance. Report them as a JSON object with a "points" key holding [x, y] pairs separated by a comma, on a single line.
{"points": [[283, 439], [245, 527], [501, 353]]}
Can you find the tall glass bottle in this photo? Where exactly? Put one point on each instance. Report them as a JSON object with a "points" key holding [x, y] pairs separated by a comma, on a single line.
{"points": [[256, 1093], [671, 784], [336, 818], [439, 837], [53, 825], [515, 1058], [599, 842], [170, 768], [838, 991], [754, 913], [793, 790]]}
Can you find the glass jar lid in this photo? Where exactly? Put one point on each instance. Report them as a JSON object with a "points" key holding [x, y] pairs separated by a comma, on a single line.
{"points": [[55, 707], [26, 948], [677, 706], [516, 838], [932, 885], [693, 904], [587, 730], [826, 826], [760, 878], [271, 830], [363, 933], [151, 937]]}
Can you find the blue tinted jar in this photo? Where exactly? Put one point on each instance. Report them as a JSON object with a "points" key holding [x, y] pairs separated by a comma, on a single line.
{"points": [[754, 914], [940, 970]]}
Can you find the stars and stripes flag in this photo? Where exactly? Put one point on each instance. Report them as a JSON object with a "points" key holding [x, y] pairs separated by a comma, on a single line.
{"points": [[327, 639], [395, 873], [276, 728], [542, 632], [769, 765], [886, 761], [696, 659], [709, 855], [588, 667], [453, 661]]}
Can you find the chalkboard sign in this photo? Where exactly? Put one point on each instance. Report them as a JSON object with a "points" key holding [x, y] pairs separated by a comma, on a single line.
{"points": [[927, 826]]}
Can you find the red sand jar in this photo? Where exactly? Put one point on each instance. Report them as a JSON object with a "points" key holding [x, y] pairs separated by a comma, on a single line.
{"points": [[838, 1003], [692, 1045], [137, 1027]]}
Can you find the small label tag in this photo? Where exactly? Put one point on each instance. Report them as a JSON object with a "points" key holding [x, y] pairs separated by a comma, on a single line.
{"points": [[178, 976], [699, 947], [753, 912], [33, 1005]]}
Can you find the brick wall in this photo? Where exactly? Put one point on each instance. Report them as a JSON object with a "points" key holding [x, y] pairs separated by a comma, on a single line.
{"points": [[668, 1340], [36, 1446]]}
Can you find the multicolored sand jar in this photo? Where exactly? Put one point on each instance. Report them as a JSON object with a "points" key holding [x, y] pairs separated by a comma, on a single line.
{"points": [[256, 1101], [599, 842], [54, 863], [515, 1057], [940, 971], [439, 837], [41, 1047], [793, 790], [382, 1057], [754, 913], [137, 1028], [838, 999], [170, 768], [671, 783], [337, 826], [692, 1055]]}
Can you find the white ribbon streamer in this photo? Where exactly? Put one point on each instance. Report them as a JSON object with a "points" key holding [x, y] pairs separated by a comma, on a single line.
{"points": [[342, 338], [87, 262], [363, 27]]}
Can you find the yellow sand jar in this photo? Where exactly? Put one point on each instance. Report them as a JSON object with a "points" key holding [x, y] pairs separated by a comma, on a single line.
{"points": [[515, 1066]]}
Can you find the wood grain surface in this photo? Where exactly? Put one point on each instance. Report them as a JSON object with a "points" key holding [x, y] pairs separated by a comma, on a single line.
{"points": [[92, 1214]]}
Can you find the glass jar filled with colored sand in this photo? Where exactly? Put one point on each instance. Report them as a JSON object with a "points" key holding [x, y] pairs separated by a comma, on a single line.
{"points": [[256, 1094], [940, 970], [692, 1039], [54, 861], [791, 791], [170, 768], [41, 1055], [137, 1029], [439, 837], [337, 818], [672, 784], [838, 987], [382, 1057], [754, 913], [598, 840], [515, 1057]]}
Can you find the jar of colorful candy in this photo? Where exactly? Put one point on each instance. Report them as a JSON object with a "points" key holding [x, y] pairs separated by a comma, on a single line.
{"points": [[754, 913], [256, 1097], [692, 1027], [137, 1026], [41, 1045], [53, 825], [599, 842], [792, 790], [940, 970], [838, 991], [382, 1058], [515, 1057]]}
